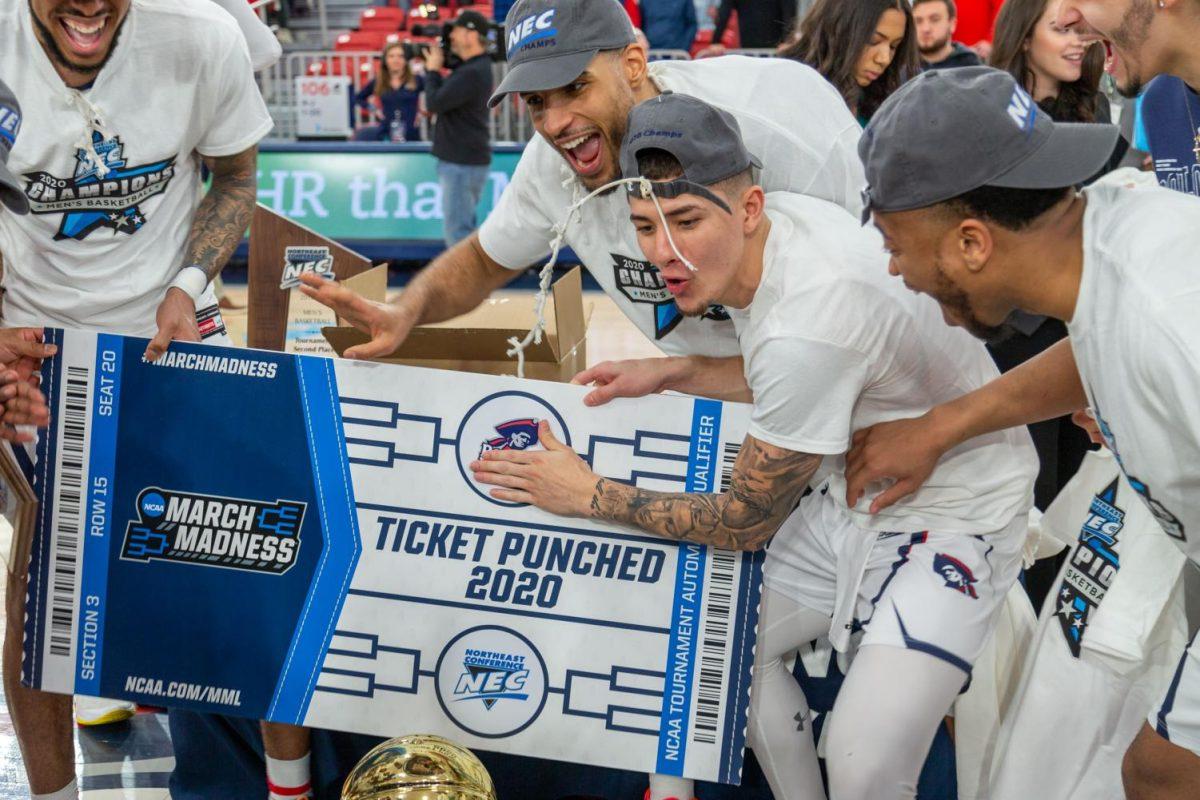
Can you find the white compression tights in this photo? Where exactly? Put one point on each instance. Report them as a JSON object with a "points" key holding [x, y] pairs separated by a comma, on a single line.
{"points": [[877, 736]]}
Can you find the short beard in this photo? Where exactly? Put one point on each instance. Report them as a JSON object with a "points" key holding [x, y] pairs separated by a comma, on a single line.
{"points": [[934, 47], [46, 37], [957, 301], [1133, 31]]}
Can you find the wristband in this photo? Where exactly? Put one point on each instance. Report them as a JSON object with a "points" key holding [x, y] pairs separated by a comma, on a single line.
{"points": [[192, 280]]}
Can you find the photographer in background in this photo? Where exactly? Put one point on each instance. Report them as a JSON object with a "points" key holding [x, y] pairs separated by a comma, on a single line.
{"points": [[460, 135]]}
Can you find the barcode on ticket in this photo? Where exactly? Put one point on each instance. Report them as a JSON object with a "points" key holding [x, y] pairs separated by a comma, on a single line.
{"points": [[714, 645], [68, 520]]}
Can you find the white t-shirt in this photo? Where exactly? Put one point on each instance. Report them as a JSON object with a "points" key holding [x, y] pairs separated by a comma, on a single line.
{"points": [[1078, 706], [100, 252], [833, 344], [790, 118], [1136, 339]]}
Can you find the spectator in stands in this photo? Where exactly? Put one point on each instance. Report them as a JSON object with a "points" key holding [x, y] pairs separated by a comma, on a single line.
{"points": [[936, 22], [761, 23], [1056, 66], [866, 49], [460, 135], [392, 99], [669, 24]]}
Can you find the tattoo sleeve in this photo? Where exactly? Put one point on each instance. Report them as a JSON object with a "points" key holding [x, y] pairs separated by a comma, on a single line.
{"points": [[224, 213], [767, 482]]}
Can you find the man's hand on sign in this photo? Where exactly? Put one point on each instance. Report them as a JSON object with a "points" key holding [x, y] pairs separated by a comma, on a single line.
{"points": [[21, 403], [612, 379], [388, 324], [176, 319], [555, 479]]}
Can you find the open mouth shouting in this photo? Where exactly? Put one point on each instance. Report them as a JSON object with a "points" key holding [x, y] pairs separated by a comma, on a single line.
{"points": [[85, 36], [584, 151]]}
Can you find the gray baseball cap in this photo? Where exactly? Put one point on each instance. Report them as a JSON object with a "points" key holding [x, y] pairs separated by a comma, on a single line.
{"points": [[948, 132], [550, 42], [10, 124], [706, 141]]}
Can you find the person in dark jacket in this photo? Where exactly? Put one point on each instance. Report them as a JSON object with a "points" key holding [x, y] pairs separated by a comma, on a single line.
{"points": [[669, 24], [392, 99], [761, 23], [461, 142], [936, 22]]}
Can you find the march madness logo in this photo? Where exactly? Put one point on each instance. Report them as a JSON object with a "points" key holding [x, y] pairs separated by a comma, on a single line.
{"points": [[1092, 567], [299, 260], [214, 531], [956, 574], [491, 677], [88, 201], [516, 434], [641, 282]]}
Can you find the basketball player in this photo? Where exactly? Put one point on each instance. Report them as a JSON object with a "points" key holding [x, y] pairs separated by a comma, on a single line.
{"points": [[1121, 266], [828, 343], [576, 65], [116, 96]]}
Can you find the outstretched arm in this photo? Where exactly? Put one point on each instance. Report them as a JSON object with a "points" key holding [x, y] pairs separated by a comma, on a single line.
{"points": [[765, 485]]}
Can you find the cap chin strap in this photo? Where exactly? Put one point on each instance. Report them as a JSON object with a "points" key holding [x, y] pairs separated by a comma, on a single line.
{"points": [[642, 186]]}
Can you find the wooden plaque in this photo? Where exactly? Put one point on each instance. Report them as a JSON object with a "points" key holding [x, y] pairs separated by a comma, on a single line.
{"points": [[270, 236]]}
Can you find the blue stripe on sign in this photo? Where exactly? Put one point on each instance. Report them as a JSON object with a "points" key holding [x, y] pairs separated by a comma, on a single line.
{"points": [[704, 467], [681, 659], [43, 487], [97, 539], [749, 595], [340, 551]]}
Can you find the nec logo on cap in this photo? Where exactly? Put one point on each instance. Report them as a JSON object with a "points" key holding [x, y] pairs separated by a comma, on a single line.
{"points": [[10, 124], [535, 27], [1021, 109]]}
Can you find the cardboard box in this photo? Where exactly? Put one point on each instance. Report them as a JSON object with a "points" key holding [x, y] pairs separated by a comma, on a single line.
{"points": [[478, 340]]}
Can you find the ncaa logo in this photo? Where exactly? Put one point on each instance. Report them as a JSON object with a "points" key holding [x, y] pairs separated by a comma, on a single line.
{"points": [[504, 421], [491, 681], [956, 574], [153, 505]]}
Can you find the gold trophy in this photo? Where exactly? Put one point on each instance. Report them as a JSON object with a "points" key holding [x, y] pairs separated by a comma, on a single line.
{"points": [[419, 767]]}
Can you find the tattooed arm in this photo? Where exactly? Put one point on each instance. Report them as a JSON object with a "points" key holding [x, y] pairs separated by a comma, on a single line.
{"points": [[217, 228], [766, 484]]}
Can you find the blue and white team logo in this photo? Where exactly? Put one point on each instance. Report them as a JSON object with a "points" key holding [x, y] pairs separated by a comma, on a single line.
{"points": [[299, 260], [504, 421], [491, 681], [956, 574], [1092, 566], [88, 201], [641, 282], [534, 31], [516, 434], [1170, 523], [214, 531], [10, 125]]}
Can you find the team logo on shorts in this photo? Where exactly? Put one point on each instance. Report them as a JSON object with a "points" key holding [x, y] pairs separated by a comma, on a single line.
{"points": [[1092, 566], [88, 201], [956, 574], [491, 681], [214, 531], [641, 282], [516, 434], [299, 260]]}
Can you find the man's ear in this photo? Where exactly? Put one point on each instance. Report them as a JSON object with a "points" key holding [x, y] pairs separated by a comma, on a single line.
{"points": [[633, 66], [975, 244], [754, 204]]}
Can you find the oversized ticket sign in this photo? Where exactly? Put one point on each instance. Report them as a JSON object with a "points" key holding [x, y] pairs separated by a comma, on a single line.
{"points": [[299, 539]]}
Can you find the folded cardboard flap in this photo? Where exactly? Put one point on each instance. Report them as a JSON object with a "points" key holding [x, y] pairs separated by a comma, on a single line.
{"points": [[478, 341]]}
